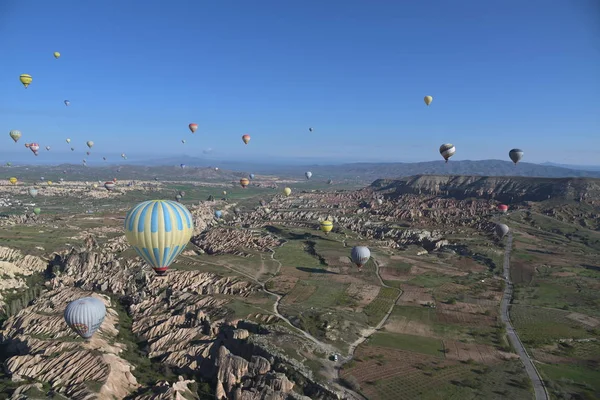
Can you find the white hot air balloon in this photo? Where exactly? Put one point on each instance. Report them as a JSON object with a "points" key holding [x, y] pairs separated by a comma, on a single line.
{"points": [[85, 316], [360, 255]]}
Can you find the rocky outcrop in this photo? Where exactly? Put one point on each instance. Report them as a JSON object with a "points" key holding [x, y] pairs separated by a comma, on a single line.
{"points": [[14, 267], [234, 241], [509, 189]]}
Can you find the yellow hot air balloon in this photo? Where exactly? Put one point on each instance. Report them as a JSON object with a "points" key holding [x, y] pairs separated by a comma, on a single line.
{"points": [[287, 191], [428, 100], [56, 54], [224, 192], [13, 180], [95, 185], [25, 79], [326, 226], [159, 230], [49, 182]]}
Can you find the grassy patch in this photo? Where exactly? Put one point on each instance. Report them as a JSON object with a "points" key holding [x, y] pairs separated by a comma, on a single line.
{"points": [[418, 344]]}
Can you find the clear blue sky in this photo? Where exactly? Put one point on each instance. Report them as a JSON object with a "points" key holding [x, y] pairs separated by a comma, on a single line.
{"points": [[503, 74]]}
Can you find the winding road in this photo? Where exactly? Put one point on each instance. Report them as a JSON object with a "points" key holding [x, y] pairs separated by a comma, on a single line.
{"points": [[539, 388]]}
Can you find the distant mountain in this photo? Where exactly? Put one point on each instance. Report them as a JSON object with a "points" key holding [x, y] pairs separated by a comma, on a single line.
{"points": [[501, 188], [570, 166]]}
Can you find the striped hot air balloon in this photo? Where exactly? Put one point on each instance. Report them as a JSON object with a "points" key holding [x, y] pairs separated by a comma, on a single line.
{"points": [[244, 182], [326, 226], [159, 230]]}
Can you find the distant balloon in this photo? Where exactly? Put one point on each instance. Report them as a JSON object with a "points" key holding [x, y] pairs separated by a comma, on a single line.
{"points": [[182, 166], [428, 100], [244, 182], [25, 79], [104, 158], [447, 150], [515, 155], [224, 192], [49, 183], [15, 135], [33, 192], [218, 214], [34, 147], [183, 141], [37, 211], [310, 129], [182, 193], [47, 148], [56, 55], [360, 255], [159, 231], [193, 127], [67, 103], [380, 201], [503, 208], [501, 230], [287, 191], [85, 316], [89, 144], [329, 182], [326, 226], [72, 148], [178, 197], [246, 138], [251, 176], [308, 174], [109, 185], [13, 180], [123, 156], [68, 140]]}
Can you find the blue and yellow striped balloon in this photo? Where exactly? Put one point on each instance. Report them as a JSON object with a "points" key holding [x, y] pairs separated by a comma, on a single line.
{"points": [[159, 230]]}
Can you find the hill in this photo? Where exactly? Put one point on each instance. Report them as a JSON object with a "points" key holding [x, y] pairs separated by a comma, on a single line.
{"points": [[506, 189], [368, 172]]}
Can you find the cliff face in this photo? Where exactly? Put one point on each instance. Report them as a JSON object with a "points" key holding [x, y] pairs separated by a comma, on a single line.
{"points": [[500, 188]]}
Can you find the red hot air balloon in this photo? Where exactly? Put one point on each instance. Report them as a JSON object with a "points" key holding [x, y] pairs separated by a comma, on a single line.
{"points": [[109, 185], [246, 138], [244, 182], [34, 147], [193, 127], [503, 208]]}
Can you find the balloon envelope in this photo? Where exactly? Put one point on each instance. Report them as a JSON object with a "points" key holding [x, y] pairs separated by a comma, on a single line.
{"points": [[501, 230], [193, 127], [33, 192], [515, 155], [218, 214], [56, 54], [287, 191], [244, 182], [85, 316], [89, 144], [503, 208], [15, 135], [67, 102], [428, 100], [37, 211], [25, 79], [326, 226], [360, 255], [447, 150], [246, 138], [159, 230], [308, 174]]}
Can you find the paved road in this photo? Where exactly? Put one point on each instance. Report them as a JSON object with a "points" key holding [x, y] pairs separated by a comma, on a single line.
{"points": [[538, 386]]}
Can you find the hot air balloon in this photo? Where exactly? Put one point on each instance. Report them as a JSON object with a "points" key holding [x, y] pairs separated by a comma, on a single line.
{"points": [[178, 198], [68, 140], [224, 192], [47, 148], [182, 166], [308, 174], [104, 158], [27, 145], [501, 230], [34, 147], [109, 185], [72, 148], [244, 182], [56, 54], [503, 208], [182, 193], [67, 103], [447, 150], [310, 129], [515, 155], [85, 316], [124, 156], [90, 144], [326, 226], [218, 214], [49, 183], [193, 127], [428, 100], [287, 191], [8, 164], [246, 138], [159, 230], [156, 178], [42, 178], [380, 201], [37, 211], [360, 255], [183, 141], [25, 79], [251, 176], [13, 180], [262, 203], [115, 179], [329, 182], [33, 192], [15, 135]]}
